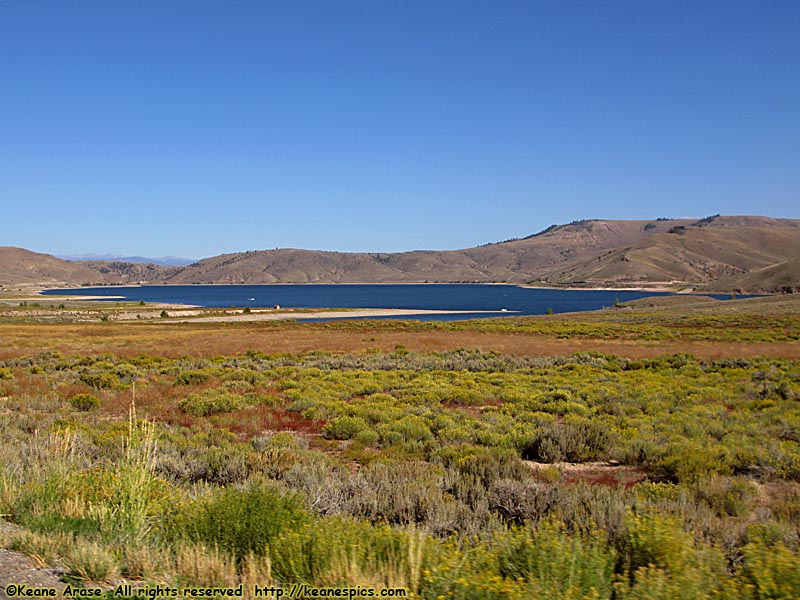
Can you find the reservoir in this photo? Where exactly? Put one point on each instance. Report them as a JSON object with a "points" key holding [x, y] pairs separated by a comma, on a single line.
{"points": [[482, 300]]}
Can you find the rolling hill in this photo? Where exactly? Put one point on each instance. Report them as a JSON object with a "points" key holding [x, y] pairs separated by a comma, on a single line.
{"points": [[717, 249], [19, 266], [517, 261], [781, 278], [730, 253]]}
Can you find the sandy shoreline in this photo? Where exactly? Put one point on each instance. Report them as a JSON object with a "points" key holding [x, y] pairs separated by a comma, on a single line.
{"points": [[356, 313], [654, 288]]}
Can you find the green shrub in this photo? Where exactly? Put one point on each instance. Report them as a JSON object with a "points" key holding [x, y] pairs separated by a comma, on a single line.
{"points": [[209, 402], [772, 570], [52, 522], [572, 441], [283, 439], [244, 521], [367, 437], [487, 464], [192, 377], [225, 465], [561, 565], [786, 502], [652, 539], [405, 493], [339, 551], [410, 428], [518, 501], [99, 381], [728, 496], [656, 554], [344, 428], [583, 507], [84, 402], [127, 373], [687, 461], [39, 496]]}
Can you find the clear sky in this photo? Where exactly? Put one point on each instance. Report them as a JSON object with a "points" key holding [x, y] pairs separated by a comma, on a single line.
{"points": [[196, 127]]}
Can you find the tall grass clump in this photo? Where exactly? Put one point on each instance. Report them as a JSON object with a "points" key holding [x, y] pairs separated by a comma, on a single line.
{"points": [[90, 561], [42, 549], [198, 564], [42, 469], [129, 511], [8, 494], [243, 521], [117, 505], [769, 570], [557, 563], [340, 551], [659, 560]]}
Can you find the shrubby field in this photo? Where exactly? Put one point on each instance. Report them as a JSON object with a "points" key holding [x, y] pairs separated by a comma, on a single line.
{"points": [[454, 474]]}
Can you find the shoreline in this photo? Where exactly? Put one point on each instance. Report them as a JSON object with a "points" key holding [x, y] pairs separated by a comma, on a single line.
{"points": [[355, 313]]}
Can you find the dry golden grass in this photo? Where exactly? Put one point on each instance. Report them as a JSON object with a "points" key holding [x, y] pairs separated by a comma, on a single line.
{"points": [[215, 339]]}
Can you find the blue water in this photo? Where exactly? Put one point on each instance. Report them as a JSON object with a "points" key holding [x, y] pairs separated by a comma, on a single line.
{"points": [[485, 300]]}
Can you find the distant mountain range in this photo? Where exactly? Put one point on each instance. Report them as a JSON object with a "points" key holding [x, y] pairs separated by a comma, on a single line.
{"points": [[719, 253], [167, 261]]}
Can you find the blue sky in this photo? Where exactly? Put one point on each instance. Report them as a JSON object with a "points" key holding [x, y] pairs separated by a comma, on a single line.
{"points": [[199, 127]]}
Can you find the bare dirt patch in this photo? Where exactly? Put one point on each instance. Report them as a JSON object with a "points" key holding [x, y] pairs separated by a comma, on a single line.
{"points": [[595, 473]]}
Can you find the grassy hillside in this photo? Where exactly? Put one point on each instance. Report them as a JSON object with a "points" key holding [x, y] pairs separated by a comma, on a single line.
{"points": [[734, 253], [512, 261], [782, 277], [714, 251], [18, 266]]}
